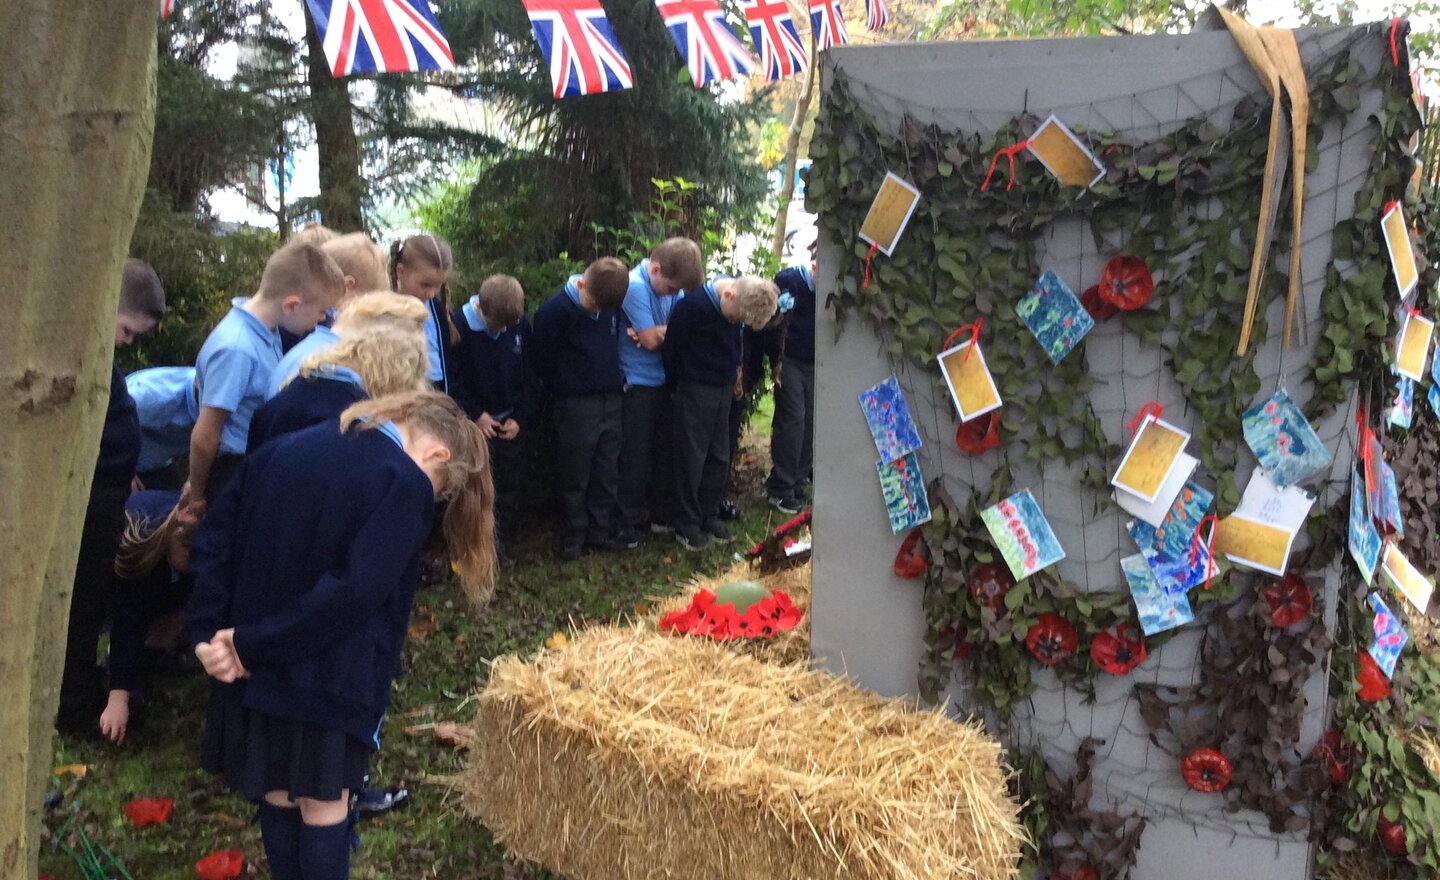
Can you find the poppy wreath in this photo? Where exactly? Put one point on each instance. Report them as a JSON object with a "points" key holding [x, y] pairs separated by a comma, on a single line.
{"points": [[979, 434], [1289, 600], [1126, 283], [989, 582], [1373, 684], [1206, 770], [1116, 652], [1335, 756], [222, 865], [909, 563], [1051, 639], [723, 620]]}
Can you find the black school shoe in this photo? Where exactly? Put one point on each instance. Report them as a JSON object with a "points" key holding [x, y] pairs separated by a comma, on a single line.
{"points": [[716, 531], [627, 538], [692, 538], [729, 510], [785, 505], [374, 801]]}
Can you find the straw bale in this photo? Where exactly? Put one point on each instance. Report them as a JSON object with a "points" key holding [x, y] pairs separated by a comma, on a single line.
{"points": [[1423, 744], [791, 646], [630, 754]]}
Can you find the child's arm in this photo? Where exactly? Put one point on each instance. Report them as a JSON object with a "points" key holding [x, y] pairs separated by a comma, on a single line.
{"points": [[116, 717], [544, 337], [644, 331], [204, 447], [212, 562]]}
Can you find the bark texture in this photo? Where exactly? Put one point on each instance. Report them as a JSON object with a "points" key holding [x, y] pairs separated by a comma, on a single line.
{"points": [[341, 189]]}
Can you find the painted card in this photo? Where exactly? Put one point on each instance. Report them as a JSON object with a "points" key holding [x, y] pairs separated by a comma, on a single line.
{"points": [[1064, 154], [1263, 528], [903, 487], [1022, 534], [1390, 636], [1166, 547], [1158, 610], [1407, 578], [1055, 316], [1364, 539], [969, 380], [889, 419], [1402, 409], [1434, 394], [1385, 504], [1413, 347], [1152, 456], [1154, 512], [890, 213], [1397, 242], [1283, 441]]}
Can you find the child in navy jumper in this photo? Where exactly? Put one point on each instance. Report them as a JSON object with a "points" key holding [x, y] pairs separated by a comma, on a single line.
{"points": [[792, 431], [305, 570], [702, 358], [420, 268], [574, 350], [490, 380]]}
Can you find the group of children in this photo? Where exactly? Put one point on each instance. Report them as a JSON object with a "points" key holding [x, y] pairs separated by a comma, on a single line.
{"points": [[345, 419]]}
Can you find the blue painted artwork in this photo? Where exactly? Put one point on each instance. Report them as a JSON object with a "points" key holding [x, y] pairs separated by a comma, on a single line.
{"points": [[1402, 408], [1022, 534], [1167, 548], [1364, 539], [1390, 637], [906, 502], [1284, 443], [1055, 316], [889, 419], [1159, 611], [1434, 394]]}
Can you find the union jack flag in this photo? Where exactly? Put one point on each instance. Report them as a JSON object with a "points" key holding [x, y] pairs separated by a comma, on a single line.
{"points": [[773, 30], [579, 46], [705, 41], [877, 14], [380, 36], [166, 7], [828, 24]]}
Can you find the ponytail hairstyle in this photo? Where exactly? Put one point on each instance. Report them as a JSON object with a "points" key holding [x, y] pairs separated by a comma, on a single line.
{"points": [[145, 543], [469, 495], [434, 252], [388, 359]]}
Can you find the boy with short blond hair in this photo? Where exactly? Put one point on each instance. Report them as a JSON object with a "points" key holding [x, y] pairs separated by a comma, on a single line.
{"points": [[235, 365]]}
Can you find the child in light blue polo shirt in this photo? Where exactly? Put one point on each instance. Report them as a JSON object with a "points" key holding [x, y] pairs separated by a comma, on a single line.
{"points": [[167, 405]]}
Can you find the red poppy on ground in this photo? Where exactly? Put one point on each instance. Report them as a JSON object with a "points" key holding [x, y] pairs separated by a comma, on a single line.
{"points": [[148, 811], [1051, 639], [741, 610], [1206, 770], [1289, 600], [909, 564], [1116, 653], [1098, 308], [1392, 836], [989, 582], [1126, 283], [1084, 872], [1335, 756], [979, 434], [1373, 684], [222, 865]]}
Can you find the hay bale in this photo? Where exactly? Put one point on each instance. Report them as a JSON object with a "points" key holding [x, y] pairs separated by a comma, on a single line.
{"points": [[791, 646], [630, 754]]}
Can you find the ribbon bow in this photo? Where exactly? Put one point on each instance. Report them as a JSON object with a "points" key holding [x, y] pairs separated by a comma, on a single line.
{"points": [[1150, 409], [973, 327], [869, 255]]}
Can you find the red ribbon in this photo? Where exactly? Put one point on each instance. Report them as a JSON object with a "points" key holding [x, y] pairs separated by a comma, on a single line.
{"points": [[973, 327], [1209, 546], [869, 255], [1366, 452], [1394, 33], [1389, 206], [1009, 153], [1150, 409]]}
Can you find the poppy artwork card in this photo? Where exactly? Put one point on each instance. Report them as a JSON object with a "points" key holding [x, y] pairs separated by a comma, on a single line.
{"points": [[1413, 585], [1434, 394], [1167, 547], [1158, 610], [890, 213], [1260, 532], [1064, 155], [1384, 495], [972, 388], [1364, 539], [1283, 441], [1154, 512], [906, 502], [1022, 534], [1054, 314], [1402, 254], [1401, 413], [888, 416], [1151, 460], [1390, 636], [1412, 348]]}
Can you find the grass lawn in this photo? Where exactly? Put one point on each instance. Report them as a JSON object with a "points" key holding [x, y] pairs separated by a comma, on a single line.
{"points": [[445, 661]]}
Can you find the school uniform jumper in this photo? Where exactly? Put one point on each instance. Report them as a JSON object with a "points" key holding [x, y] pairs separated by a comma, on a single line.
{"points": [[312, 555], [147, 598], [576, 354], [645, 456], [234, 369], [702, 353], [320, 339], [167, 406], [439, 374], [316, 399], [488, 374], [792, 431]]}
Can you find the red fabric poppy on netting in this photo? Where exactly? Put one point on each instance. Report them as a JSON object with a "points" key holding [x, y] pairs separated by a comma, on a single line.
{"points": [[979, 434], [909, 562], [148, 811], [1289, 600], [1084, 872], [1392, 836], [1116, 652], [1051, 639], [989, 582], [223, 865], [1335, 756], [1126, 282], [1098, 308], [1206, 770], [1373, 684]]}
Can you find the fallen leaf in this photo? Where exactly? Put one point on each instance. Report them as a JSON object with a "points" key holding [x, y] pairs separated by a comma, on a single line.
{"points": [[448, 733], [557, 641], [642, 610], [424, 624], [78, 771]]}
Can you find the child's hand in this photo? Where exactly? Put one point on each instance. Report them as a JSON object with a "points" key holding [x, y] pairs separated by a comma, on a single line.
{"points": [[509, 429], [116, 716], [776, 379], [219, 658], [631, 335], [488, 426]]}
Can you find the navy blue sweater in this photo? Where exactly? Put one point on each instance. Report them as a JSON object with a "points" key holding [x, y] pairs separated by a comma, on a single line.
{"points": [[306, 401], [120, 438], [701, 345], [800, 323], [312, 554], [490, 375], [575, 352]]}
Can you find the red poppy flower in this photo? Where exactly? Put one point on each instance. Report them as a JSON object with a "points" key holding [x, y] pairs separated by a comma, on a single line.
{"points": [[1051, 639], [222, 865], [989, 582], [148, 811], [1392, 836], [909, 564], [1206, 770], [1084, 872], [1098, 308], [1289, 600], [961, 650], [1126, 283], [1335, 755], [1373, 684], [1115, 653], [979, 434], [741, 610]]}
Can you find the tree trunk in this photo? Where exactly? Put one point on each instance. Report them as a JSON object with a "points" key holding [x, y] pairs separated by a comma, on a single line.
{"points": [[77, 105], [792, 149], [341, 189]]}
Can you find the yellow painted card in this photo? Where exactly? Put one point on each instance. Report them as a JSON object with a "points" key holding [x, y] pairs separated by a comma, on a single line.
{"points": [[971, 385], [1397, 242], [1413, 348], [1413, 585], [1253, 543], [1064, 154], [889, 213], [1151, 456]]}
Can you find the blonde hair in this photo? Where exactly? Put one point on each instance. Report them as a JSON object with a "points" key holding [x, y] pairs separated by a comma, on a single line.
{"points": [[755, 300], [502, 300], [145, 543], [389, 360], [469, 519], [316, 234], [679, 260], [380, 307], [360, 258], [304, 269]]}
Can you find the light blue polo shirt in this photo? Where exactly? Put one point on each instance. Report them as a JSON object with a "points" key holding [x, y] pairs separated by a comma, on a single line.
{"points": [[432, 340], [323, 337], [166, 404], [643, 309], [234, 369]]}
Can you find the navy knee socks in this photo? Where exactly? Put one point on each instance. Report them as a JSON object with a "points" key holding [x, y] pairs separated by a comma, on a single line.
{"points": [[325, 851], [280, 832]]}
